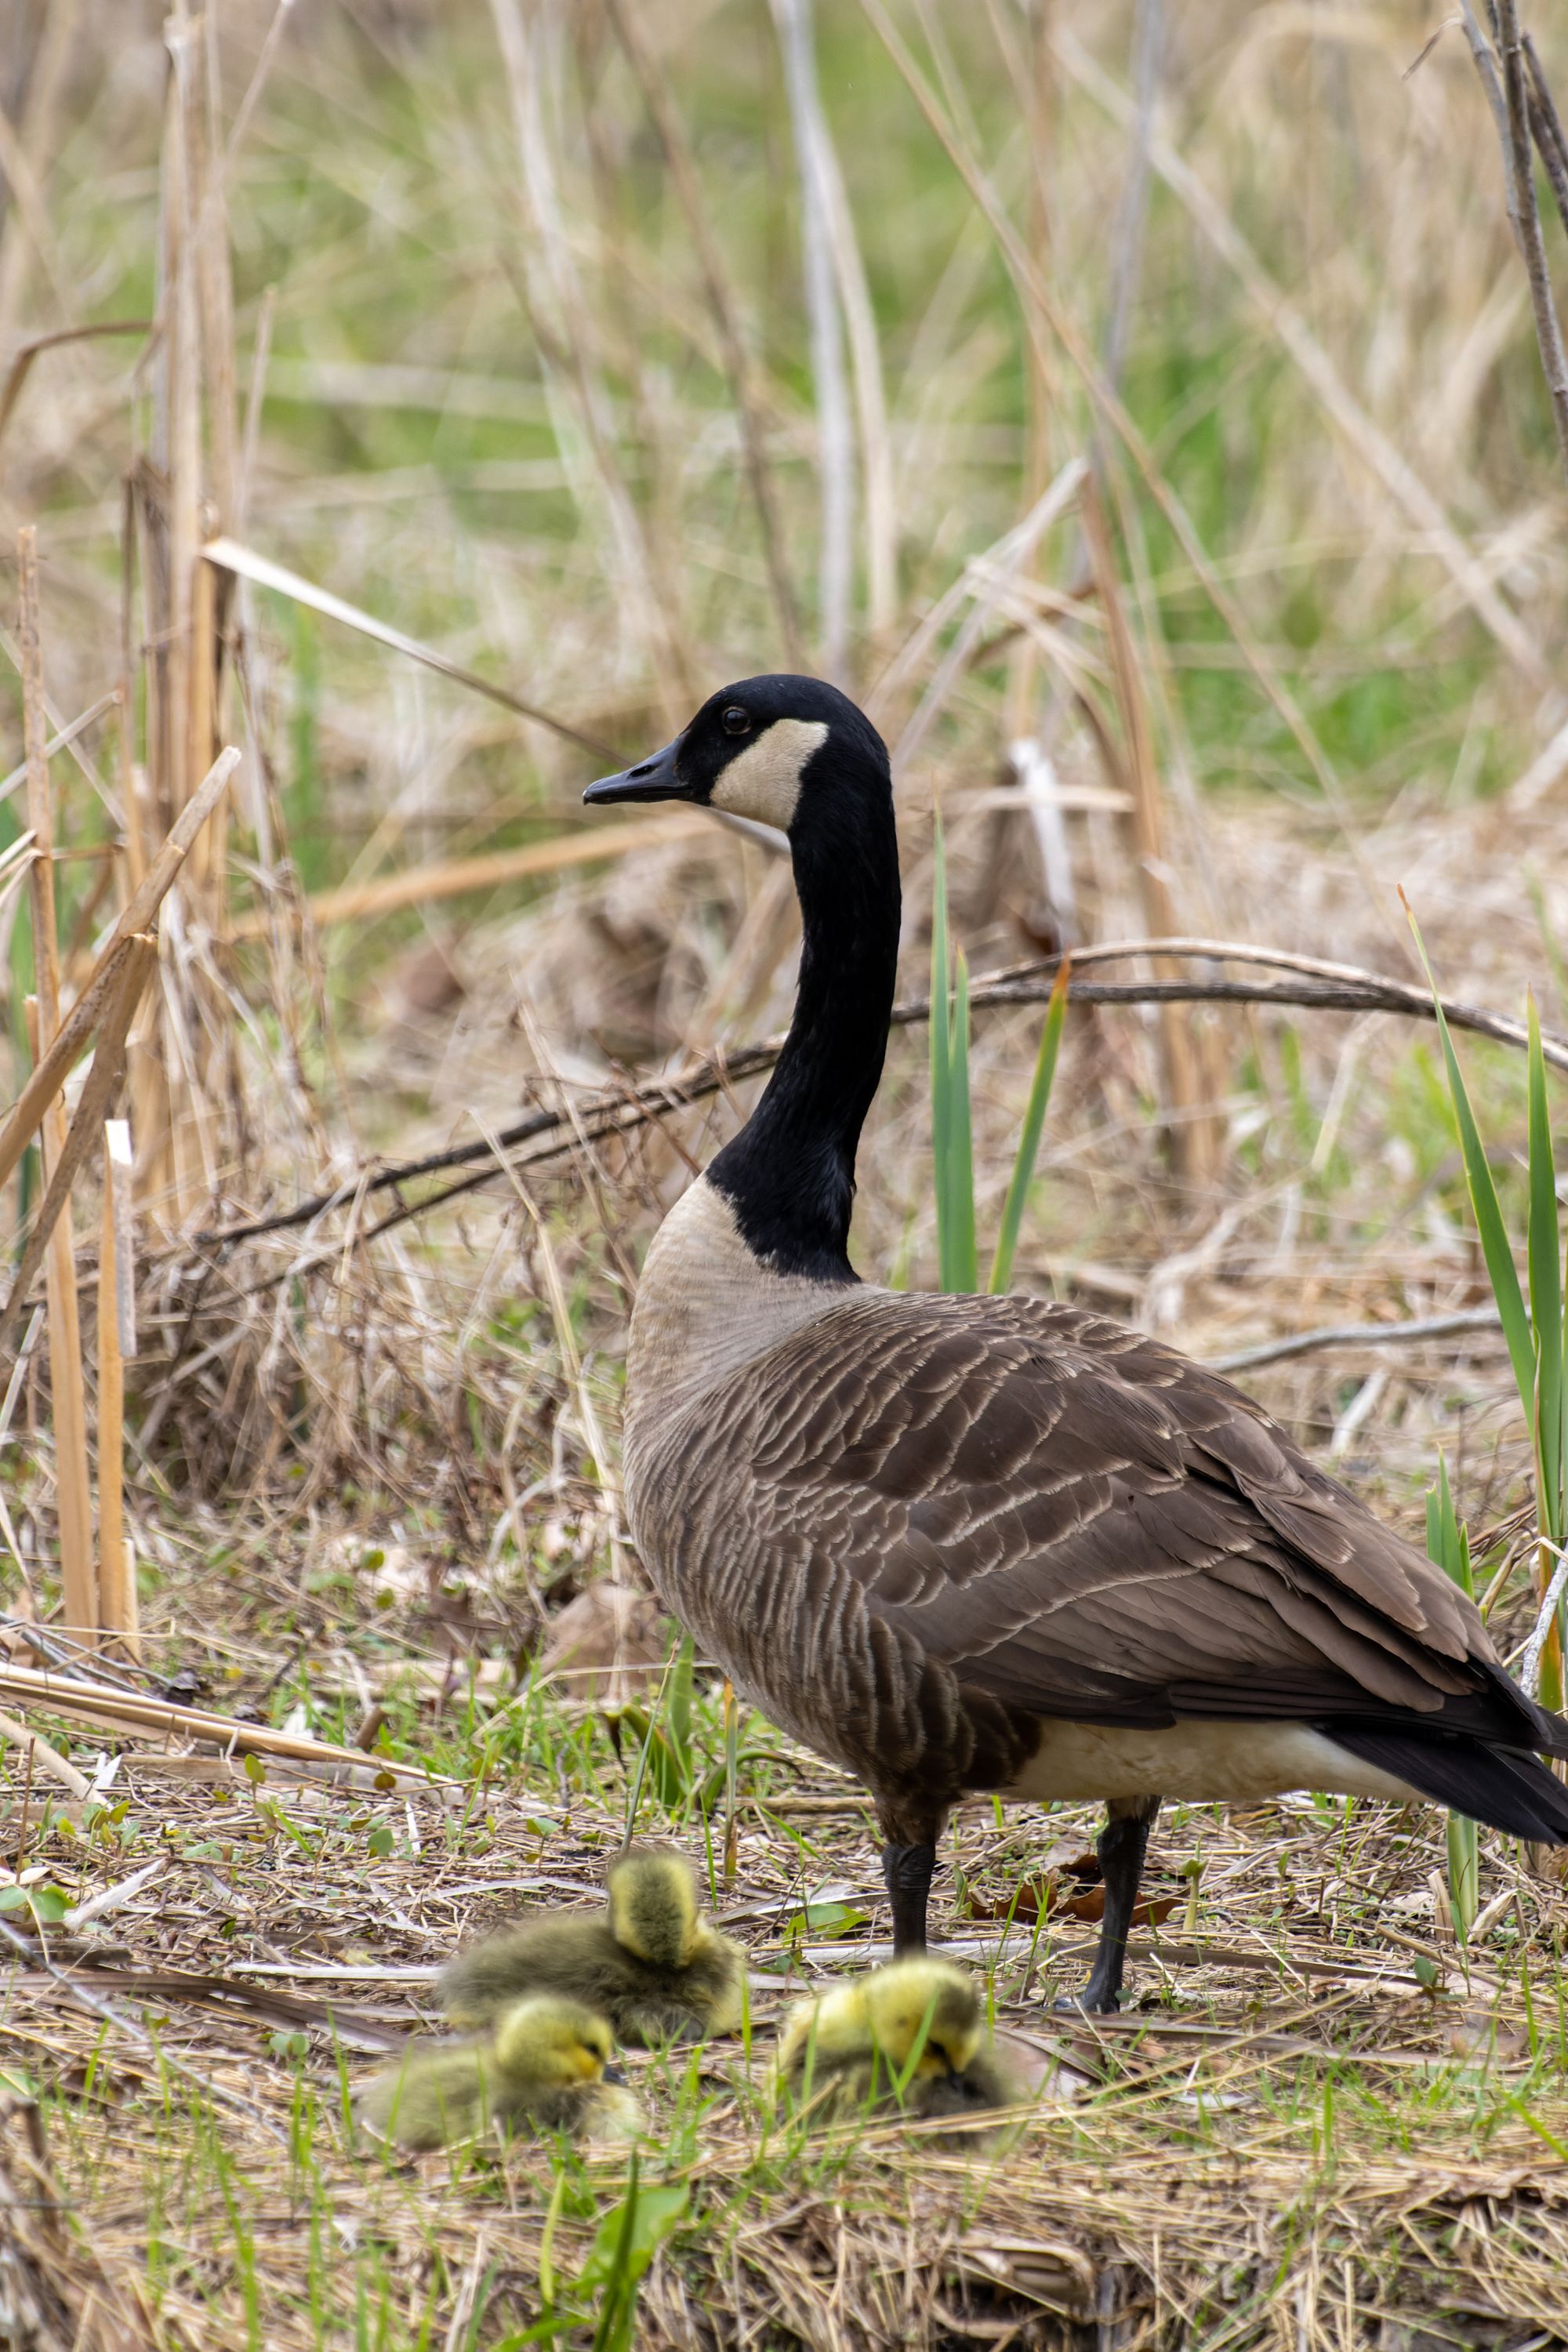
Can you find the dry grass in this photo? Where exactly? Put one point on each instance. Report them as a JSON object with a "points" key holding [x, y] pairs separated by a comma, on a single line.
{"points": [[492, 330], [1291, 2132]]}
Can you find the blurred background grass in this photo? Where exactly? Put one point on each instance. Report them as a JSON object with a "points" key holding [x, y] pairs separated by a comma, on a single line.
{"points": [[483, 379], [466, 303]]}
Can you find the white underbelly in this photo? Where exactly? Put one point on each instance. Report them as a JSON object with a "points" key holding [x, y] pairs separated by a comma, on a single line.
{"points": [[1205, 1762]]}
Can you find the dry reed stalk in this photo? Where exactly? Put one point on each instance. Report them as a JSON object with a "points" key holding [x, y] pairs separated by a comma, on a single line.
{"points": [[1311, 981], [1513, 119], [245, 565], [1031, 82], [63, 741], [983, 581], [119, 1610], [571, 1357], [206, 851], [1193, 1137], [1045, 316], [67, 1388], [97, 1096], [878, 477], [834, 439], [51, 1073], [185, 492], [1132, 211], [1547, 125], [453, 877], [25, 232], [207, 723], [72, 1037], [169, 505], [1389, 463], [108, 1703], [558, 309], [672, 137], [21, 366], [34, 1745]]}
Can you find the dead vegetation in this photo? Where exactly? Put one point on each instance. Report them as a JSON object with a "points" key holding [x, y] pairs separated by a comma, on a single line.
{"points": [[432, 402]]}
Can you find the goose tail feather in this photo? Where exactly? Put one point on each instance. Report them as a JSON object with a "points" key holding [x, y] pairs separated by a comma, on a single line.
{"points": [[1507, 1788]]}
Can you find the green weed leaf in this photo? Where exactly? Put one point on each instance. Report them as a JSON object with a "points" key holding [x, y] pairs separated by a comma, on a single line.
{"points": [[1030, 1138], [1494, 1248]]}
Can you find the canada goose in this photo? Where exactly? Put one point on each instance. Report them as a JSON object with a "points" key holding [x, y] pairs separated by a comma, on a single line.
{"points": [[977, 1543], [651, 1963], [912, 2035], [547, 2064]]}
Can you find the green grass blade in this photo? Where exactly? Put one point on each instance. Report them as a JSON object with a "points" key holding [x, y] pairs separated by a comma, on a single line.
{"points": [[1545, 1289], [1464, 1874], [1030, 1140], [1449, 1544], [1494, 1248], [613, 2330], [965, 1269], [677, 1707], [941, 1057]]}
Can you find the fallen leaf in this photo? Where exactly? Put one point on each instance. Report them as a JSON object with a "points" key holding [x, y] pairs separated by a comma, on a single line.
{"points": [[1045, 1899]]}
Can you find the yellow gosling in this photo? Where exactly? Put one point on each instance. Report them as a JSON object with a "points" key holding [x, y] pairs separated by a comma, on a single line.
{"points": [[544, 2067], [909, 2039], [651, 1962]]}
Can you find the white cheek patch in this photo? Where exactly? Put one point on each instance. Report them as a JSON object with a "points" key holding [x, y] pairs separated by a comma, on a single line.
{"points": [[763, 780]]}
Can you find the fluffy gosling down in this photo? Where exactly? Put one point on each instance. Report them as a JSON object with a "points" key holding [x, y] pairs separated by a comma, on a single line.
{"points": [[545, 2067], [651, 1962], [909, 2037]]}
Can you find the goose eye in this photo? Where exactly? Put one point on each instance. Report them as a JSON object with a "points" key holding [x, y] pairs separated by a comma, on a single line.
{"points": [[736, 720]]}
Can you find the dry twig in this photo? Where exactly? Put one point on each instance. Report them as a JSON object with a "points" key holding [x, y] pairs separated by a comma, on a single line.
{"points": [[1322, 986]]}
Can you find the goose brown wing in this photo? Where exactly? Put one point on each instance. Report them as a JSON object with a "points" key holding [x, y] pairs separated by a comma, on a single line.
{"points": [[1081, 1522]]}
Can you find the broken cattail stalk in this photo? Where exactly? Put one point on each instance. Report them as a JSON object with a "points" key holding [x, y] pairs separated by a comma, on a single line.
{"points": [[73, 1495], [117, 1601], [106, 1704], [451, 878], [67, 1388], [71, 1041], [97, 1095]]}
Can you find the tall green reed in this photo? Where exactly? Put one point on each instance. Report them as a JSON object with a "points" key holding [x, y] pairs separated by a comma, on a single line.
{"points": [[1534, 1326], [952, 1124]]}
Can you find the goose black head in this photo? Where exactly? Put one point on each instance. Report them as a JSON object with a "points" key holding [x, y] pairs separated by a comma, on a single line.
{"points": [[796, 754], [790, 752]]}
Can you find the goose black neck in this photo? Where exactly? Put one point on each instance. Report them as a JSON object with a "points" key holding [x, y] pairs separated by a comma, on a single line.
{"points": [[789, 1175]]}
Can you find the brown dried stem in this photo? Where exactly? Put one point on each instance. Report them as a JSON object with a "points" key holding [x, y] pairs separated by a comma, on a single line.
{"points": [[70, 1040], [75, 1502], [97, 1100], [1312, 982], [1512, 111]]}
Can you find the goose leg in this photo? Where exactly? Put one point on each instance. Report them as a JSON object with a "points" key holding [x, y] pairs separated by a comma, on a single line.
{"points": [[908, 1872], [1121, 1847]]}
